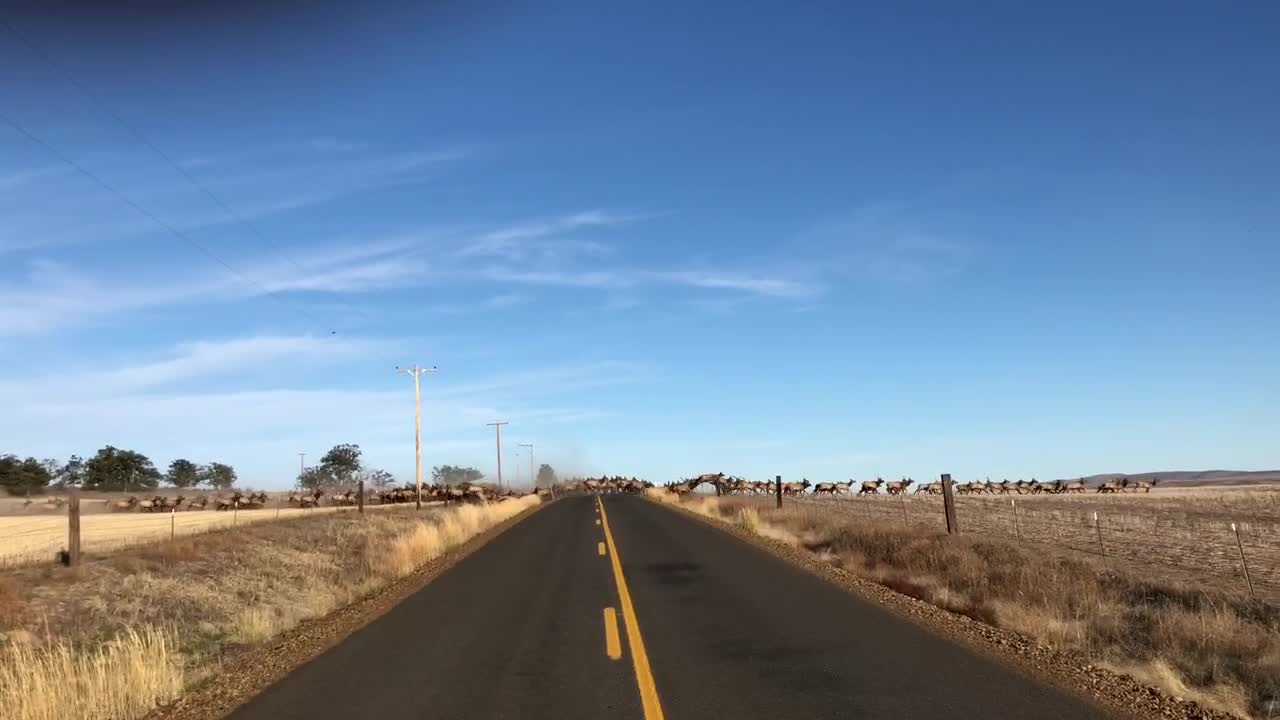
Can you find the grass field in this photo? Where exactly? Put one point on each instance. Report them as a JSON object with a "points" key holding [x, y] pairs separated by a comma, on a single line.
{"points": [[1182, 532]]}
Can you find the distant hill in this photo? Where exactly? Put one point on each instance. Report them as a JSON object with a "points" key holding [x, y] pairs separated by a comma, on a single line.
{"points": [[1193, 478]]}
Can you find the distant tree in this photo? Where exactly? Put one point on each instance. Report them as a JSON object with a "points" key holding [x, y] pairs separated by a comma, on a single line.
{"points": [[546, 475], [71, 474], [183, 474], [22, 477], [116, 469], [342, 462], [450, 475], [218, 475], [316, 478]]}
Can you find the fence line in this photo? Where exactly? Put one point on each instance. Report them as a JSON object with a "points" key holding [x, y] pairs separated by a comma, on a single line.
{"points": [[1198, 550]]}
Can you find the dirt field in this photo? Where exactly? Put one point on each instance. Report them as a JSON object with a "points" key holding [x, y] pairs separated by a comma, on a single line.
{"points": [[35, 533], [1183, 532]]}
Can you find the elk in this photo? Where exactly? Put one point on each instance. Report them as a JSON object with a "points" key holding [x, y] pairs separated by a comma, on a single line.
{"points": [[199, 503], [795, 488], [897, 487], [1145, 485], [827, 488], [933, 488], [122, 505], [1113, 486], [871, 487]]}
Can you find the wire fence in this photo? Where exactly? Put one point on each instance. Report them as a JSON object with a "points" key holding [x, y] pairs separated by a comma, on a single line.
{"points": [[42, 535], [1218, 552]]}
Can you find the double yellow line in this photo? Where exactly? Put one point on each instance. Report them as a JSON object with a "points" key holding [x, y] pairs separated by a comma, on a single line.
{"points": [[639, 658]]}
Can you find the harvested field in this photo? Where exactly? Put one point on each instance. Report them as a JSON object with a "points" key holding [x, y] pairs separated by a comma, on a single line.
{"points": [[36, 538]]}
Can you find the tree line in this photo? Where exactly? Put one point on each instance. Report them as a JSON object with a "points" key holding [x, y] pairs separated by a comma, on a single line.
{"points": [[111, 468]]}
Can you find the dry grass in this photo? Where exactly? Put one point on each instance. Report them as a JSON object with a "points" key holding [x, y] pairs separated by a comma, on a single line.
{"points": [[121, 679], [1217, 648], [216, 592]]}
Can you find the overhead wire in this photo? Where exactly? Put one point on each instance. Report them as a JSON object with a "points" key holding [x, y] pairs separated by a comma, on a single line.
{"points": [[176, 166]]}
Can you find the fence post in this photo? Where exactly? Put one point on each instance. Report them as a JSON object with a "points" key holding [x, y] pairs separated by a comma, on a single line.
{"points": [[277, 508], [1243, 563], [902, 500], [235, 513], [173, 523], [360, 496], [949, 505], [73, 528], [1097, 523], [1017, 527], [777, 489]]}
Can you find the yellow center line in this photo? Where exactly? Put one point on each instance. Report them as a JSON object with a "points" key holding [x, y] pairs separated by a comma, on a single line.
{"points": [[612, 643], [639, 658], [600, 548], [597, 521]]}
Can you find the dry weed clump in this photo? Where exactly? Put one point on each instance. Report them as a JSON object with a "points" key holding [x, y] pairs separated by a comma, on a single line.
{"points": [[217, 591], [1219, 649]]}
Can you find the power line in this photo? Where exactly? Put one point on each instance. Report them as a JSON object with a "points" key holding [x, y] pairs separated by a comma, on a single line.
{"points": [[152, 216], [177, 167]]}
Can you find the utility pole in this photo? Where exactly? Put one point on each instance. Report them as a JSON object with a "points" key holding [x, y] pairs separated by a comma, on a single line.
{"points": [[497, 427], [533, 478], [415, 371]]}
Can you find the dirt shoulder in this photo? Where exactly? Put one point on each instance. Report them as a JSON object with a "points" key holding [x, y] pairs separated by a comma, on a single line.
{"points": [[1123, 695]]}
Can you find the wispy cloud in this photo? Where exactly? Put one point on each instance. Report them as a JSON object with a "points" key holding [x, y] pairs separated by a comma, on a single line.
{"points": [[21, 178], [757, 284], [513, 241]]}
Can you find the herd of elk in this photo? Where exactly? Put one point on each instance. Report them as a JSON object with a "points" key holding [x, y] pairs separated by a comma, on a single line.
{"points": [[726, 485]]}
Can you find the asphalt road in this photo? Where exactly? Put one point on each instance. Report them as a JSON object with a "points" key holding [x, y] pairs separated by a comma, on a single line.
{"points": [[707, 627]]}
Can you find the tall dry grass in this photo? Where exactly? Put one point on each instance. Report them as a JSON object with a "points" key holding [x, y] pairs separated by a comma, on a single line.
{"points": [[1219, 649], [100, 641], [121, 679]]}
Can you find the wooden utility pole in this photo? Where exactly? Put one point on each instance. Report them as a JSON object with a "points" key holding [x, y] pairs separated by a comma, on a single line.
{"points": [[949, 505], [497, 427], [415, 371]]}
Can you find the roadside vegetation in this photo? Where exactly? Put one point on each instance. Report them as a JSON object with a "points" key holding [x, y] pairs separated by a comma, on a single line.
{"points": [[121, 634], [1218, 648]]}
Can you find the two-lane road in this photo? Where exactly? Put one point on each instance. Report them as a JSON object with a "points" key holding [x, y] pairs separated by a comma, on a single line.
{"points": [[714, 628]]}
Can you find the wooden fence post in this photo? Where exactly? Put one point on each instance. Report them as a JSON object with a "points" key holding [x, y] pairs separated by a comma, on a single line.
{"points": [[360, 496], [778, 490], [949, 505], [902, 499], [235, 513], [173, 523], [1243, 563], [73, 528], [1097, 523], [1017, 528]]}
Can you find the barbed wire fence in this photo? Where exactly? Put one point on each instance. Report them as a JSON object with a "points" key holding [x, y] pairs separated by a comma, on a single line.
{"points": [[1244, 555]]}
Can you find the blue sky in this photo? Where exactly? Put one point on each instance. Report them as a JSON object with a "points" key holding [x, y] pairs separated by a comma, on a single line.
{"points": [[829, 241]]}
